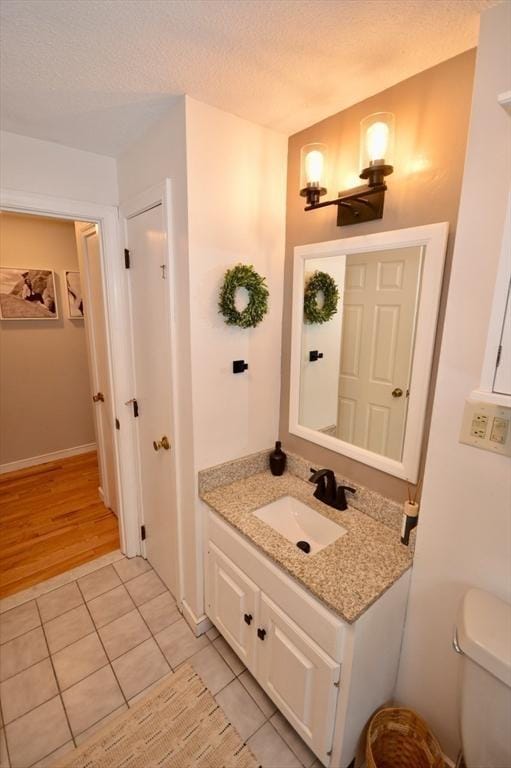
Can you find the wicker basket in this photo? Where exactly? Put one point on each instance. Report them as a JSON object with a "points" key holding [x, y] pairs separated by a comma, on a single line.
{"points": [[399, 738]]}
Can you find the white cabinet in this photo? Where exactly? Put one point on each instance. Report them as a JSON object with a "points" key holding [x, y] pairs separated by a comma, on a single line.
{"points": [[301, 679], [327, 677], [296, 673], [232, 604]]}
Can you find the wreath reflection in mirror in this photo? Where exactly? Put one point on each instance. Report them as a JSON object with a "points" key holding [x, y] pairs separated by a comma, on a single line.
{"points": [[243, 276], [313, 312]]}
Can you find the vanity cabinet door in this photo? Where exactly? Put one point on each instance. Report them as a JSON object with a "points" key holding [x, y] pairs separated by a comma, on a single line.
{"points": [[232, 603], [299, 677]]}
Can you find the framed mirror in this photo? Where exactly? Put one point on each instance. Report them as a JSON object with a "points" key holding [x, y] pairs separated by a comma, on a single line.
{"points": [[362, 347]]}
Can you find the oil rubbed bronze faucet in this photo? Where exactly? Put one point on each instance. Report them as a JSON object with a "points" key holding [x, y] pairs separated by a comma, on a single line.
{"points": [[327, 489]]}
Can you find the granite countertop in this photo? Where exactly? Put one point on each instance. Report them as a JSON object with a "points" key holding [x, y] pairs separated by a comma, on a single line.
{"points": [[347, 575]]}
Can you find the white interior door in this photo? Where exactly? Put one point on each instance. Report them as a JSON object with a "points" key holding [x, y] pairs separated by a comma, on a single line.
{"points": [[380, 302], [91, 278], [150, 312]]}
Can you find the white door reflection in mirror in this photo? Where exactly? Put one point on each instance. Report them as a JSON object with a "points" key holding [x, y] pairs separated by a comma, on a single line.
{"points": [[379, 309], [359, 382]]}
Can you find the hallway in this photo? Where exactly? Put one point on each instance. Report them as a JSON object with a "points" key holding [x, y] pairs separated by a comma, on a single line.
{"points": [[52, 520]]}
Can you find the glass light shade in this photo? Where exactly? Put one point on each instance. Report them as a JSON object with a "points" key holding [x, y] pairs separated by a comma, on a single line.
{"points": [[377, 140], [313, 166]]}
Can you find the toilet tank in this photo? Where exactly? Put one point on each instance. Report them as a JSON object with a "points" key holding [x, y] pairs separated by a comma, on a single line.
{"points": [[484, 637]]}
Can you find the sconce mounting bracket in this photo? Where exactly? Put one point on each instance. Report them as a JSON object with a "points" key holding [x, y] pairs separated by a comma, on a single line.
{"points": [[356, 205], [364, 206]]}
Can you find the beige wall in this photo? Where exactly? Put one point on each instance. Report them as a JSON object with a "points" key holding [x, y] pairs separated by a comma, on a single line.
{"points": [[432, 112], [45, 402]]}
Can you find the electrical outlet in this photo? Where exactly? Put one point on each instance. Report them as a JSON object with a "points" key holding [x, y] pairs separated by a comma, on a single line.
{"points": [[487, 426], [479, 425]]}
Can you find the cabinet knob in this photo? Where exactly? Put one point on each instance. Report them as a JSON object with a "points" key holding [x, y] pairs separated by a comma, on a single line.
{"points": [[248, 618], [261, 633]]}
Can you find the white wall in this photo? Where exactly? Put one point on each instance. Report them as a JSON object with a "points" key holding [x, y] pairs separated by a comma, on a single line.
{"points": [[236, 213], [45, 168], [464, 536], [319, 380]]}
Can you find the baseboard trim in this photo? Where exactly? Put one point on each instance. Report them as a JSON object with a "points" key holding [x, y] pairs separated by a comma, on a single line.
{"points": [[45, 458], [198, 624]]}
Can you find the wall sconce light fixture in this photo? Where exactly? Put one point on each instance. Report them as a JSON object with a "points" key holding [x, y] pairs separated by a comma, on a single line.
{"points": [[358, 204]]}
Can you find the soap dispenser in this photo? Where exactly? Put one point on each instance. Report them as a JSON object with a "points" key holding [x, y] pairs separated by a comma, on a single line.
{"points": [[278, 459]]}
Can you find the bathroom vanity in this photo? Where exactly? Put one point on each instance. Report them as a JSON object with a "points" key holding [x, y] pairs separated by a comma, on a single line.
{"points": [[320, 632]]}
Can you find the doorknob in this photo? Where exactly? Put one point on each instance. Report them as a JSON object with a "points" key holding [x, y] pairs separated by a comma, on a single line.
{"points": [[163, 443], [397, 392], [99, 398]]}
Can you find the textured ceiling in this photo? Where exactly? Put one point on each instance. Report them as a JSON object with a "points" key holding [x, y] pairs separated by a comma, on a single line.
{"points": [[94, 73]]}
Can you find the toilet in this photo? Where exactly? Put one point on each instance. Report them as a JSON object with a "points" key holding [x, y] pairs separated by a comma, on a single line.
{"points": [[483, 637]]}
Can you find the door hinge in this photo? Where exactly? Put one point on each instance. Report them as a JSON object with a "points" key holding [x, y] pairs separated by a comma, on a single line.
{"points": [[499, 355], [142, 532], [134, 403], [117, 424], [127, 262]]}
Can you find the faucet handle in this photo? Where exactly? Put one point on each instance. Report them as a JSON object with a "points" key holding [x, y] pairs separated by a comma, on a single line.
{"points": [[318, 477], [341, 502]]}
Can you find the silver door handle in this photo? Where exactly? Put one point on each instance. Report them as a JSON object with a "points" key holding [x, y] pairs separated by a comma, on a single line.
{"points": [[455, 643]]}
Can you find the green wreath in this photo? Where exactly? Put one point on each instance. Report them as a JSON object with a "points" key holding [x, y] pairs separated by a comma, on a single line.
{"points": [[320, 281], [243, 276]]}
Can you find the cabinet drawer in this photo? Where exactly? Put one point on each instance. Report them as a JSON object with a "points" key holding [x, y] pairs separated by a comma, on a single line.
{"points": [[320, 624]]}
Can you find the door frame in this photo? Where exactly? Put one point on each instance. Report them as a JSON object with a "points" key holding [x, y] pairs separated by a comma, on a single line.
{"points": [[118, 341], [161, 194]]}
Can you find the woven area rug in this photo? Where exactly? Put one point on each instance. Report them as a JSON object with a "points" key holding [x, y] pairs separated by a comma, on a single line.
{"points": [[178, 725]]}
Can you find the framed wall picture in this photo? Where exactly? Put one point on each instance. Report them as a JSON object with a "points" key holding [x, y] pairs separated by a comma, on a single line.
{"points": [[74, 295], [27, 294]]}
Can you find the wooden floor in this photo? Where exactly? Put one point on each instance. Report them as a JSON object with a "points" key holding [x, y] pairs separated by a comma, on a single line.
{"points": [[52, 520]]}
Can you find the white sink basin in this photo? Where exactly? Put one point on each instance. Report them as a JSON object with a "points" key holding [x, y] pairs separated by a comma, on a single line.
{"points": [[299, 522]]}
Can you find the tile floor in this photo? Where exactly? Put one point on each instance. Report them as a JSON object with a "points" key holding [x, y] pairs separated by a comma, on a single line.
{"points": [[79, 655]]}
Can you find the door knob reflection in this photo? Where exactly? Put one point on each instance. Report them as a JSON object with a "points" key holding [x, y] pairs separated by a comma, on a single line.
{"points": [[163, 443]]}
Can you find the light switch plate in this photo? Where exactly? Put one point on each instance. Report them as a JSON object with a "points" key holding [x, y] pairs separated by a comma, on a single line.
{"points": [[487, 426]]}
